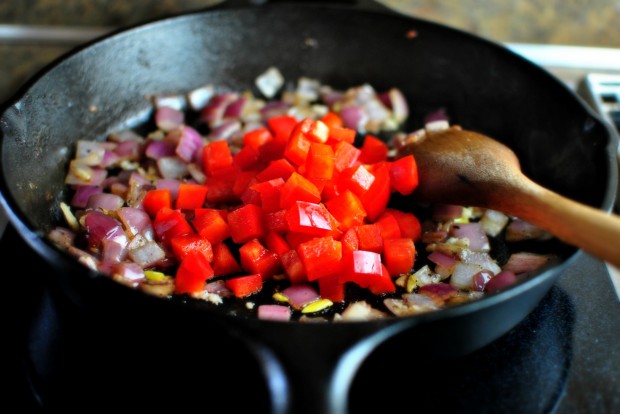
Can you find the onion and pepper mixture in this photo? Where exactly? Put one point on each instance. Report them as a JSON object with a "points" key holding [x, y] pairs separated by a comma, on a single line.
{"points": [[287, 206]]}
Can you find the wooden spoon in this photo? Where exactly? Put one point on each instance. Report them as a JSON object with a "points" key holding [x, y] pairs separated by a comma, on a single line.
{"points": [[466, 168]]}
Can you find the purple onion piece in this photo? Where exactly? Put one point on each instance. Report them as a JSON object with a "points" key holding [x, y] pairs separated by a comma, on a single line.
{"points": [[189, 143], [478, 240], [300, 295], [82, 193], [168, 119], [274, 312], [105, 201], [157, 149], [501, 281]]}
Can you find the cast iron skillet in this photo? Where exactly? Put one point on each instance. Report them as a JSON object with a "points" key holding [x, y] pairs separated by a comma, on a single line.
{"points": [[483, 87]]}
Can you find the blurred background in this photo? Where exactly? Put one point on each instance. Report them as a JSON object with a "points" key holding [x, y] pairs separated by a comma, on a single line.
{"points": [[592, 23]]}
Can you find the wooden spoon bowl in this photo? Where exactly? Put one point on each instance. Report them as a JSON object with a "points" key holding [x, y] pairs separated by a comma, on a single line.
{"points": [[467, 168]]}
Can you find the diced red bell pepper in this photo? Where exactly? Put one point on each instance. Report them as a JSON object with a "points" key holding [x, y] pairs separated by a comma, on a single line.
{"points": [[269, 194], [388, 226], [382, 284], [211, 224], [320, 162], [373, 150], [321, 256], [155, 200], [369, 238], [331, 288], [246, 223], [357, 179], [295, 238], [280, 168], [276, 221], [281, 126], [191, 196], [255, 258], [293, 267], [192, 274], [244, 180], [341, 134], [309, 218], [350, 241], [224, 263], [183, 245], [277, 243], [221, 188], [360, 267], [245, 285], [398, 255], [409, 224], [332, 120], [257, 137], [272, 150], [170, 223], [318, 132], [298, 188], [216, 158], [404, 174], [375, 200], [347, 209], [345, 156], [298, 144], [247, 158]]}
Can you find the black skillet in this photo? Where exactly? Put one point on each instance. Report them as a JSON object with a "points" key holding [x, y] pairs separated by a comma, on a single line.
{"points": [[484, 87]]}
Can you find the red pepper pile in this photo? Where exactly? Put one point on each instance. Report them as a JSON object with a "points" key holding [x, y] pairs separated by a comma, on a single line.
{"points": [[306, 203]]}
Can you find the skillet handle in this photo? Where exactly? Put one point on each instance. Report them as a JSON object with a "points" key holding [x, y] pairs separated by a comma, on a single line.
{"points": [[309, 367]]}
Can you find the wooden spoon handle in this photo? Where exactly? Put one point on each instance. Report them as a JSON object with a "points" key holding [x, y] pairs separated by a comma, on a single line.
{"points": [[588, 228]]}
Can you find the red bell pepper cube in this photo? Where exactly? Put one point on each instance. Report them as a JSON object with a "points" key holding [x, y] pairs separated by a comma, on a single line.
{"points": [[221, 188], [192, 274], [216, 158], [295, 238], [382, 284], [244, 180], [279, 168], [357, 179], [320, 162], [224, 263], [404, 174], [345, 156], [211, 224], [293, 267], [331, 288], [332, 120], [245, 285], [191, 196], [318, 132], [298, 188], [255, 258], [373, 150], [257, 137], [341, 134], [350, 241], [409, 224], [272, 150], [347, 209], [246, 223], [276, 221], [281, 126], [398, 255], [183, 245], [321, 256], [155, 200], [375, 200], [269, 192], [309, 218], [251, 196], [360, 267], [298, 143], [277, 243], [170, 223], [369, 238], [247, 158], [388, 226]]}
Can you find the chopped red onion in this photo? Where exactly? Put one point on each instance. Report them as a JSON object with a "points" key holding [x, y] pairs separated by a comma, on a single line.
{"points": [[439, 291], [112, 251], [81, 174], [171, 167], [442, 259], [274, 312], [105, 201], [147, 255], [168, 119], [235, 108], [300, 295], [82, 194], [519, 230], [196, 172], [493, 222], [157, 149], [225, 130], [478, 240], [199, 97], [136, 221], [463, 274], [218, 287], [129, 150], [110, 158], [398, 104], [524, 262], [173, 101], [270, 82], [480, 280], [501, 281], [354, 117], [482, 259], [100, 226], [129, 271], [274, 108], [169, 184], [434, 236], [213, 113], [190, 142], [61, 236]]}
